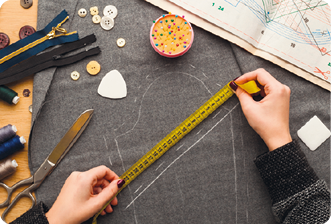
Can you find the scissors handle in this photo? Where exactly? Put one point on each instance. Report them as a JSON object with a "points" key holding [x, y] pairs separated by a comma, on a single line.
{"points": [[10, 190], [25, 193]]}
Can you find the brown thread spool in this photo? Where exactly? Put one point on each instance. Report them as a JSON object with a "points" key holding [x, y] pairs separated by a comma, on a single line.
{"points": [[7, 168]]}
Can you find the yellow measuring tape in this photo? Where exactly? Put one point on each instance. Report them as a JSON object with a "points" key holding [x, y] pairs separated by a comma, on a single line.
{"points": [[178, 133]]}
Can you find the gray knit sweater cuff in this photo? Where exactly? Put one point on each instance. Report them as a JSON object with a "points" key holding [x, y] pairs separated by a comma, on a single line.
{"points": [[35, 215], [285, 171]]}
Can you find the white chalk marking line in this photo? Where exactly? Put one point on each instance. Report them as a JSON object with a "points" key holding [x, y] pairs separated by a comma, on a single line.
{"points": [[138, 189], [180, 156], [159, 166], [179, 147]]}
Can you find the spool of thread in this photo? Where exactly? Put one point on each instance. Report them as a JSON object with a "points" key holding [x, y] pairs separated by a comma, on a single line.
{"points": [[7, 132], [11, 146], [7, 168], [8, 95]]}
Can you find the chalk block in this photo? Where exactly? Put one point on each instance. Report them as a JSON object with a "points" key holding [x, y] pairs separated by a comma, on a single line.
{"points": [[113, 85], [314, 133]]}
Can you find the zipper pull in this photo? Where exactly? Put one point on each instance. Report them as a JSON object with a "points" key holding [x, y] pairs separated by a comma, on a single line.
{"points": [[58, 28], [53, 34]]}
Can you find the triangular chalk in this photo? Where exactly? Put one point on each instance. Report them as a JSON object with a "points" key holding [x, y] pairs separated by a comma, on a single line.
{"points": [[113, 85]]}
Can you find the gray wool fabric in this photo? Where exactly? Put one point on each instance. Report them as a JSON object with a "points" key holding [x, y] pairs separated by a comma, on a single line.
{"points": [[207, 177]]}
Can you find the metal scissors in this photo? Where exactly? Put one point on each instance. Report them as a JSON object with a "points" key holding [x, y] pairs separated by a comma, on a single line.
{"points": [[48, 165]]}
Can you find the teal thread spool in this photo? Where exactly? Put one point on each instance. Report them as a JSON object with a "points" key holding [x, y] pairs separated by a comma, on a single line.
{"points": [[8, 95]]}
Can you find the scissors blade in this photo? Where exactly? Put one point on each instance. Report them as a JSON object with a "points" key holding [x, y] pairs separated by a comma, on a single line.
{"points": [[70, 137]]}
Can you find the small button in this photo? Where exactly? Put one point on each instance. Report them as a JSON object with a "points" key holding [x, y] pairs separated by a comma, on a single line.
{"points": [[26, 3], [96, 19], [30, 108], [107, 23], [26, 31], [26, 92], [82, 12], [4, 40], [120, 42], [75, 75], [94, 11], [110, 10], [93, 67]]}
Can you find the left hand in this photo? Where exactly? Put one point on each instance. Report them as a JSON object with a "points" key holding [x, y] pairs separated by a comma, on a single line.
{"points": [[83, 195]]}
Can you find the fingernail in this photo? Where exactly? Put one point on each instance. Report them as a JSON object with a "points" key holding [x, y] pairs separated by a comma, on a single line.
{"points": [[233, 86], [120, 183]]}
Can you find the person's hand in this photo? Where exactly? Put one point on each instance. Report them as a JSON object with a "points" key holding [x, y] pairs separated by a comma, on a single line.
{"points": [[84, 194], [270, 116]]}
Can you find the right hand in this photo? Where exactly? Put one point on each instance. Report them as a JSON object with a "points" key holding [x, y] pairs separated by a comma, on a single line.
{"points": [[270, 116]]}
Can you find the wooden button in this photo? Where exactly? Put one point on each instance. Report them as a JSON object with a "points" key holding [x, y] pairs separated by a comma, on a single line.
{"points": [[93, 67], [26, 3], [26, 31], [4, 40]]}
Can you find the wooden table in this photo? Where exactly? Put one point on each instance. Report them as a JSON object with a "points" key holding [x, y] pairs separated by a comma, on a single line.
{"points": [[12, 18]]}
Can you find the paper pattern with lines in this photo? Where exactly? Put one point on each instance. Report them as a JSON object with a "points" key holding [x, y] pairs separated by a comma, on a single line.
{"points": [[297, 31]]}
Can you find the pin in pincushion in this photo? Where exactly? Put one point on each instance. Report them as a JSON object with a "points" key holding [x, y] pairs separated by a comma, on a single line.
{"points": [[171, 35]]}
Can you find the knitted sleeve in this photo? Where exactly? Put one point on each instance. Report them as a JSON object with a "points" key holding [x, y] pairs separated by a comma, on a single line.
{"points": [[35, 215], [297, 194]]}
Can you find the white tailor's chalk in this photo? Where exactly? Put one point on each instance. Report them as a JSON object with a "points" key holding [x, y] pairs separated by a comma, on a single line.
{"points": [[314, 133], [113, 85]]}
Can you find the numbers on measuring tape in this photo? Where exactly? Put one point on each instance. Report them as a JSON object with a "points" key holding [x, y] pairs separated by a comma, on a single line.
{"points": [[178, 133], [171, 139]]}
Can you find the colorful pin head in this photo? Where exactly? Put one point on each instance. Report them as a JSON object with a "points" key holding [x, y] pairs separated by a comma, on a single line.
{"points": [[163, 36]]}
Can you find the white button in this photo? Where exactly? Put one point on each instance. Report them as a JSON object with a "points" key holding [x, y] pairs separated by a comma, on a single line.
{"points": [[107, 22], [96, 19], [120, 42], [82, 12], [75, 75], [110, 10]]}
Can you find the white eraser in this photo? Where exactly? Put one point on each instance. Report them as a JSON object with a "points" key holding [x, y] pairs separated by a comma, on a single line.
{"points": [[314, 133]]}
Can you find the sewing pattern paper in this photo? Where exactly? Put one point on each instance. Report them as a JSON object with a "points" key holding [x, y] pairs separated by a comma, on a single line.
{"points": [[296, 31]]}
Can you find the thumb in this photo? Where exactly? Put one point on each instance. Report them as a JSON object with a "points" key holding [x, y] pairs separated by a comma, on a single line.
{"points": [[244, 97]]}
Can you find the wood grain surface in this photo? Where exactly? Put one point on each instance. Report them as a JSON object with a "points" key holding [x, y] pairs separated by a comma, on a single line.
{"points": [[12, 18]]}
